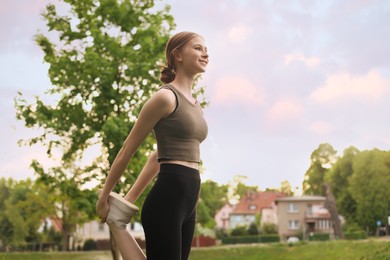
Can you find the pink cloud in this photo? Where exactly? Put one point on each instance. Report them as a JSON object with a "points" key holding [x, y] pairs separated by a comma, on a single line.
{"points": [[239, 34], [238, 89], [371, 86], [320, 128], [285, 110]]}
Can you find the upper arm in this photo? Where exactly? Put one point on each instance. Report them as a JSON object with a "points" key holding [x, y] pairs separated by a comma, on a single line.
{"points": [[160, 105]]}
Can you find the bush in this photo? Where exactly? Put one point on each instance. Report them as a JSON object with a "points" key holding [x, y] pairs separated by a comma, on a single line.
{"points": [[89, 245], [250, 239], [355, 235], [253, 229], [319, 237], [239, 231], [269, 238], [221, 233], [269, 228]]}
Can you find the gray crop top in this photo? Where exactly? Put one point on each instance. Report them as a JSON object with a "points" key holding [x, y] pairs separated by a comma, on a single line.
{"points": [[179, 135]]}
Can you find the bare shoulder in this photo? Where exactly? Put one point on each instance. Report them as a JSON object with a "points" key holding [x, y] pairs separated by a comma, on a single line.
{"points": [[165, 95], [162, 102]]}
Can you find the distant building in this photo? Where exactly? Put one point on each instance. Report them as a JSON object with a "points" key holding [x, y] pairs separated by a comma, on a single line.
{"points": [[100, 231], [302, 215], [252, 204], [222, 217]]}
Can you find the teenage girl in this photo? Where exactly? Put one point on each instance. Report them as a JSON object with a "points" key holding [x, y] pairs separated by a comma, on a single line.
{"points": [[168, 214]]}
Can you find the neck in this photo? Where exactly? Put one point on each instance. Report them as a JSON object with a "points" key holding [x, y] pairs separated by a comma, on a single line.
{"points": [[183, 83]]}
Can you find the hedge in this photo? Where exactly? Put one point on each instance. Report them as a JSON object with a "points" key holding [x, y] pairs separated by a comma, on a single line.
{"points": [[250, 239], [355, 235], [319, 237]]}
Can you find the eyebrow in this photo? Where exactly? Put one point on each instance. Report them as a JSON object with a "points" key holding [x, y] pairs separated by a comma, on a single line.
{"points": [[198, 44]]}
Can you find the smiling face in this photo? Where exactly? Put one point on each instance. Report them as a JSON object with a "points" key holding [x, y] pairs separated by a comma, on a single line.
{"points": [[192, 58]]}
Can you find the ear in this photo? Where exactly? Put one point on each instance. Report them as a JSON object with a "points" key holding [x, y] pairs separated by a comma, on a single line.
{"points": [[177, 56]]}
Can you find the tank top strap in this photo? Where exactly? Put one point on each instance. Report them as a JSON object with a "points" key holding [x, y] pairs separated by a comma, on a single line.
{"points": [[175, 93]]}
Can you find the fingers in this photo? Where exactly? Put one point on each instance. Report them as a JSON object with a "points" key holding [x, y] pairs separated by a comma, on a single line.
{"points": [[102, 211]]}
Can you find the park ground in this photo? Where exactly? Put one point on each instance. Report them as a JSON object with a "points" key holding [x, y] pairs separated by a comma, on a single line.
{"points": [[370, 249]]}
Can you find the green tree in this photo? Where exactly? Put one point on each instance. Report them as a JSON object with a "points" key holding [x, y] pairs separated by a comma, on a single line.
{"points": [[6, 227], [285, 188], [369, 186], [22, 212], [322, 160], [72, 204], [240, 188], [103, 65], [212, 198], [339, 179]]}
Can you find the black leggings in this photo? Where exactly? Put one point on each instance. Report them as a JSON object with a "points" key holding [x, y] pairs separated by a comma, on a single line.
{"points": [[169, 211]]}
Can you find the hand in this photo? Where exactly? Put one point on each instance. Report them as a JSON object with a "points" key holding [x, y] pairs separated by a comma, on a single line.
{"points": [[102, 209]]}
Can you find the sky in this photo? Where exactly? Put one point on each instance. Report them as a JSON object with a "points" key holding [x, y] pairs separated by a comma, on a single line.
{"points": [[283, 77]]}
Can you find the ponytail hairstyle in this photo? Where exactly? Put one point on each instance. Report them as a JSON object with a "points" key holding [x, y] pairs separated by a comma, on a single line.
{"points": [[174, 44]]}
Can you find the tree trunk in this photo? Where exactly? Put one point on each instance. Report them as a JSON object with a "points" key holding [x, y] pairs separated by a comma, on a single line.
{"points": [[330, 204], [65, 239], [114, 248]]}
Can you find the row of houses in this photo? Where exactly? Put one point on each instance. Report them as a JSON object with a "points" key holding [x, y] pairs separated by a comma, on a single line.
{"points": [[292, 215]]}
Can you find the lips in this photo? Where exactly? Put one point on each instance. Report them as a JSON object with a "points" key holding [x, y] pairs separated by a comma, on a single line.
{"points": [[204, 62]]}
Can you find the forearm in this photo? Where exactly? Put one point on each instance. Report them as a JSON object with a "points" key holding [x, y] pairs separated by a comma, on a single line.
{"points": [[146, 175], [117, 168]]}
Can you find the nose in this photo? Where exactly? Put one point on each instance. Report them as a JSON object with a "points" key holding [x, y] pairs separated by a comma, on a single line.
{"points": [[205, 54]]}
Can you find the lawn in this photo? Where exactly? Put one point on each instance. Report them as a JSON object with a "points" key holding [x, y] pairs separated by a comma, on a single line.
{"points": [[343, 250]]}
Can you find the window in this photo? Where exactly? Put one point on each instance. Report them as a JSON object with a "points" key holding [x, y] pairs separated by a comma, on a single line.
{"points": [[293, 224], [323, 224], [292, 207], [252, 207]]}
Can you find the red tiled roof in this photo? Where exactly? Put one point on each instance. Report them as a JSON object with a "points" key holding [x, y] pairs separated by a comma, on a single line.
{"points": [[254, 202]]}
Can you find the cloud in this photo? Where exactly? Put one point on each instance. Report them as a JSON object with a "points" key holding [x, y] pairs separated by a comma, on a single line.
{"points": [[320, 128], [371, 86], [239, 34], [285, 110], [309, 61], [238, 89]]}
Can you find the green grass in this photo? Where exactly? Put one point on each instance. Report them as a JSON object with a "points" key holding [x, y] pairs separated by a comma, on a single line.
{"points": [[333, 250]]}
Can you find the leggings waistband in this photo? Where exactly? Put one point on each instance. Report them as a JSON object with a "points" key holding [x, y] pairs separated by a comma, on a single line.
{"points": [[177, 169]]}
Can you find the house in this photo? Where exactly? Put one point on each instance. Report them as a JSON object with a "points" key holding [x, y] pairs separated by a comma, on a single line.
{"points": [[100, 231], [222, 216], [302, 215], [252, 204]]}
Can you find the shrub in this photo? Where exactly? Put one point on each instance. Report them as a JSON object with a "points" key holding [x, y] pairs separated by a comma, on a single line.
{"points": [[269, 228], [355, 235], [253, 229], [319, 237], [89, 245], [250, 239], [220, 233], [239, 231]]}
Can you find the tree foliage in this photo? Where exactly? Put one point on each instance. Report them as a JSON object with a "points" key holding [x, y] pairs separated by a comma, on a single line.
{"points": [[104, 59], [322, 160], [23, 206], [212, 198], [239, 188], [338, 178], [358, 180], [369, 186]]}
